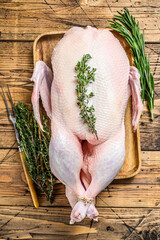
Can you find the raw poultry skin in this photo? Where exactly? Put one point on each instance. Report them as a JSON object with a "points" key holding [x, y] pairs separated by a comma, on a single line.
{"points": [[84, 164]]}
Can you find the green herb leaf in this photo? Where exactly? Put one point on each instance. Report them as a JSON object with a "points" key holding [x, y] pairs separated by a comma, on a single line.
{"points": [[125, 25], [85, 76], [35, 145]]}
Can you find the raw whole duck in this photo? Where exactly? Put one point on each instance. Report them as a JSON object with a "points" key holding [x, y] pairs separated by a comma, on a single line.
{"points": [[84, 164]]}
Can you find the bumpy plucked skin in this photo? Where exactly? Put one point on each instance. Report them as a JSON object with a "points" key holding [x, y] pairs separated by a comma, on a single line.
{"points": [[80, 161]]}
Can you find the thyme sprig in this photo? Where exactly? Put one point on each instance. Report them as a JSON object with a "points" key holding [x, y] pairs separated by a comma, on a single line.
{"points": [[35, 144], [125, 25], [85, 76]]}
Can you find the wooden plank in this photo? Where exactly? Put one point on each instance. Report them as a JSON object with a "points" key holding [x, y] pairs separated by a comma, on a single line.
{"points": [[117, 223], [140, 191], [16, 63], [26, 20], [16, 67], [149, 131]]}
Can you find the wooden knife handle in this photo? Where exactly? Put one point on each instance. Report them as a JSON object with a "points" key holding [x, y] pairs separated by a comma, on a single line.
{"points": [[29, 180]]}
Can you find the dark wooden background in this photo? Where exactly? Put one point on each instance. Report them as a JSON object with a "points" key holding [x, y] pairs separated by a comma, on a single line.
{"points": [[129, 209]]}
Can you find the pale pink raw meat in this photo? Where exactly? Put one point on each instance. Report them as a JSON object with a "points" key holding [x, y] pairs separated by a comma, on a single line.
{"points": [[84, 164]]}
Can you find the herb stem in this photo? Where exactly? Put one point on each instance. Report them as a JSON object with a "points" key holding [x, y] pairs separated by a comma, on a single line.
{"points": [[85, 76], [35, 144], [125, 25]]}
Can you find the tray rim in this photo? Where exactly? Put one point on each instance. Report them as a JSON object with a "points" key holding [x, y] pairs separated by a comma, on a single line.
{"points": [[137, 130]]}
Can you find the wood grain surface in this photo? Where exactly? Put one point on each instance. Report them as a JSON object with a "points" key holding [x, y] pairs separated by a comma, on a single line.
{"points": [[129, 208]]}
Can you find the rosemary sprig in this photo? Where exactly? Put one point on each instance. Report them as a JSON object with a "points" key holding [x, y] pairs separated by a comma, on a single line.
{"points": [[85, 76], [125, 25], [35, 144]]}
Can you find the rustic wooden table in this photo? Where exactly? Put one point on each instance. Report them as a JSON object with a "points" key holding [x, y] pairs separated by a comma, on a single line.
{"points": [[129, 209]]}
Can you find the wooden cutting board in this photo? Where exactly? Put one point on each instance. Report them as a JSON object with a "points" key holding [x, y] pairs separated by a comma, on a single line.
{"points": [[42, 50]]}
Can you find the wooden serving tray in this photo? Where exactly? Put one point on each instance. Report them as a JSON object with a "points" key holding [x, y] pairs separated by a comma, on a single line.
{"points": [[42, 50]]}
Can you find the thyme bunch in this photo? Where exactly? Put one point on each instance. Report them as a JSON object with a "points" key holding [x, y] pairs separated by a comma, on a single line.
{"points": [[35, 145], [85, 76], [125, 25]]}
